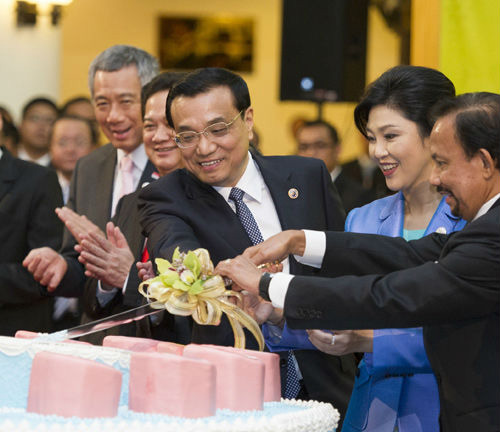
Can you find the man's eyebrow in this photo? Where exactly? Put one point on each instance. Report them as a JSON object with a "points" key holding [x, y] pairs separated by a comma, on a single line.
{"points": [[185, 128], [121, 95]]}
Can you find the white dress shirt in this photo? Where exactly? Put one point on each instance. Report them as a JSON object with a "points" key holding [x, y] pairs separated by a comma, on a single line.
{"points": [[64, 183], [139, 159], [258, 200]]}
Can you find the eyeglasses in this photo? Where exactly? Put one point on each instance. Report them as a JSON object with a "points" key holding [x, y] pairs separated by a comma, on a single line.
{"points": [[217, 130], [315, 146]]}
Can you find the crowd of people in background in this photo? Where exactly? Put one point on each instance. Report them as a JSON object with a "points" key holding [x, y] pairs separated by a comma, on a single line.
{"points": [[82, 222]]}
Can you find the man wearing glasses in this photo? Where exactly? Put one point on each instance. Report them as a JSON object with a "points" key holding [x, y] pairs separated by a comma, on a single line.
{"points": [[227, 199]]}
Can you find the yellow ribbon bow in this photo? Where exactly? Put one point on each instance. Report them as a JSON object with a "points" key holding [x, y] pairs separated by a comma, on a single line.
{"points": [[187, 286]]}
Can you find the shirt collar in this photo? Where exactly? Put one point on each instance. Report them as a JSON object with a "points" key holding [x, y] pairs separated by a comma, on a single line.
{"points": [[250, 182], [486, 206], [44, 160], [138, 156], [63, 181], [335, 172], [1, 153]]}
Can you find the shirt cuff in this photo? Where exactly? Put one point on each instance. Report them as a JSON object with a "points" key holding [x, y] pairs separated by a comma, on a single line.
{"points": [[315, 249], [278, 288], [104, 296], [125, 284]]}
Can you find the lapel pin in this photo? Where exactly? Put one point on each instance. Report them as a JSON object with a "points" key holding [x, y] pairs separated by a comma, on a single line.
{"points": [[293, 193], [441, 230]]}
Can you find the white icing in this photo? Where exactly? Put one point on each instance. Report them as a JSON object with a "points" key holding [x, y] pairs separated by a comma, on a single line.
{"points": [[110, 356], [311, 416]]}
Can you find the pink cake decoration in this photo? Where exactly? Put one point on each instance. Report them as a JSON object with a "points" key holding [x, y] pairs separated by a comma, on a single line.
{"points": [[25, 334], [170, 348], [272, 380], [135, 344], [70, 386], [171, 384], [240, 379]]}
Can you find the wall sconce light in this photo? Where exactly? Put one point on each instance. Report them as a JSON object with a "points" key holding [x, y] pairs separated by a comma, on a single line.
{"points": [[28, 11]]}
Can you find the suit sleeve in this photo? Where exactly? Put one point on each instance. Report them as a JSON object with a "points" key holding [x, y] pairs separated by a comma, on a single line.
{"points": [[43, 229], [466, 274], [163, 225], [73, 281], [362, 254], [333, 204]]}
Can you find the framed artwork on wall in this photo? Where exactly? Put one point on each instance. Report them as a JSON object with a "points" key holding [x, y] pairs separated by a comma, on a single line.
{"points": [[187, 43]]}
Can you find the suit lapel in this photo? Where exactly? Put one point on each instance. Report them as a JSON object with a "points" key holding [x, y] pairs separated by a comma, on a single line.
{"points": [[215, 208], [279, 181], [443, 221], [392, 216], [105, 176], [147, 175]]}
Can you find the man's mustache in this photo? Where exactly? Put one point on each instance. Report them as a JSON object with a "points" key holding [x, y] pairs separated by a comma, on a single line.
{"points": [[442, 190]]}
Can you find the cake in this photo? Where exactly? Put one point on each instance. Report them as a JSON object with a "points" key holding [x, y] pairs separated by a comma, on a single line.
{"points": [[139, 370]]}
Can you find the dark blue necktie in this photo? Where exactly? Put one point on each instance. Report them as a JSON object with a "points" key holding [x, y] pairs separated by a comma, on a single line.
{"points": [[246, 218]]}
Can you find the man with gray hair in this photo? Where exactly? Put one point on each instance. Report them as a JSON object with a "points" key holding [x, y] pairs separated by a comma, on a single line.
{"points": [[100, 179]]}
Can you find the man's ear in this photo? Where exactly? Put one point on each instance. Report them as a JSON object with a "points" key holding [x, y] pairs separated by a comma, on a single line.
{"points": [[249, 122], [487, 163]]}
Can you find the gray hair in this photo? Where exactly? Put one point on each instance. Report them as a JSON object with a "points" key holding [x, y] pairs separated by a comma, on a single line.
{"points": [[119, 56]]}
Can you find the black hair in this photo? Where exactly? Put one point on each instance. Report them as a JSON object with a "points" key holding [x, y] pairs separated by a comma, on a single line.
{"points": [[331, 129], [203, 80], [411, 90], [93, 132], [36, 101], [74, 100], [9, 129], [477, 121], [162, 82]]}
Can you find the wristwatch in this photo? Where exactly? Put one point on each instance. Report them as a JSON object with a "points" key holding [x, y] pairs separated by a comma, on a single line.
{"points": [[264, 283]]}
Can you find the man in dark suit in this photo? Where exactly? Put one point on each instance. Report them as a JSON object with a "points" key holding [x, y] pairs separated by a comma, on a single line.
{"points": [[100, 253], [320, 139], [28, 196], [450, 285], [195, 207], [101, 178]]}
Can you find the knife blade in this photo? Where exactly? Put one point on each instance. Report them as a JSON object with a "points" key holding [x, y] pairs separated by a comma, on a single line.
{"points": [[125, 317]]}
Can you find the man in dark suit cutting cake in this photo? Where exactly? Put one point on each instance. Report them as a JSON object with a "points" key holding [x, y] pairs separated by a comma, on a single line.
{"points": [[227, 199]]}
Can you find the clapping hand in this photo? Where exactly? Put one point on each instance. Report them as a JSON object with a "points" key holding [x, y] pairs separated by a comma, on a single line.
{"points": [[107, 259]]}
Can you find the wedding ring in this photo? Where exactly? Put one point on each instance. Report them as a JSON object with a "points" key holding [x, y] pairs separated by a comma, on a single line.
{"points": [[333, 340]]}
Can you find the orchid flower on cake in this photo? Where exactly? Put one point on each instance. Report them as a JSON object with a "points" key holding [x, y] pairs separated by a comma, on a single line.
{"points": [[188, 286]]}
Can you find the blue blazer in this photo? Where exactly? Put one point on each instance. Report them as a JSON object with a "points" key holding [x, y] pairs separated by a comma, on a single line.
{"points": [[395, 384]]}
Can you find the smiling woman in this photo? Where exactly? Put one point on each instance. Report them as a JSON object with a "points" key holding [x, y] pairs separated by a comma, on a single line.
{"points": [[394, 116]]}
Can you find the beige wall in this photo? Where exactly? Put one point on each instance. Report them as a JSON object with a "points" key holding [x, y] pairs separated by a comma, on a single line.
{"points": [[89, 26]]}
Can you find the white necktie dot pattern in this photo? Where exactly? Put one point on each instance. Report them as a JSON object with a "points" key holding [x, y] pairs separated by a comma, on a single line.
{"points": [[292, 386], [245, 216]]}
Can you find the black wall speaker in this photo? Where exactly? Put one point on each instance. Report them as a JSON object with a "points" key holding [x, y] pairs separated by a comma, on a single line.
{"points": [[323, 50]]}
